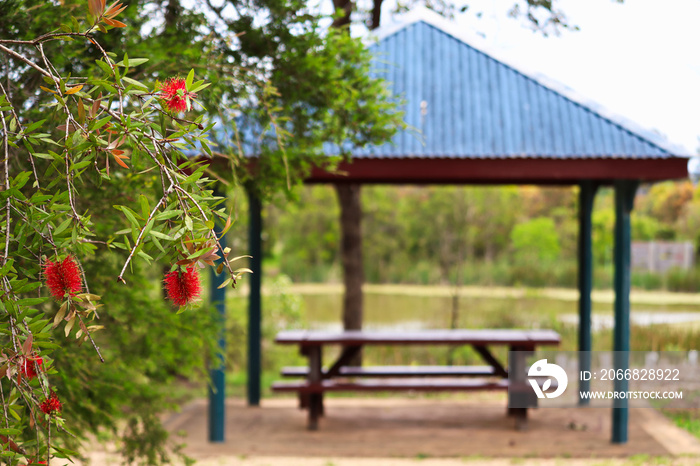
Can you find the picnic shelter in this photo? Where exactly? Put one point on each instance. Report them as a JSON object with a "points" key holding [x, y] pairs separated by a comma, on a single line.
{"points": [[479, 120]]}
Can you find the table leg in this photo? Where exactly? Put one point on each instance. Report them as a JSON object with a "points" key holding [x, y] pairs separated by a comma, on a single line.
{"points": [[520, 415], [486, 355], [315, 399], [520, 396]]}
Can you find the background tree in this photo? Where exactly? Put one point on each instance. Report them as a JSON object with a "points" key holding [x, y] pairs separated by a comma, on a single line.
{"points": [[541, 14], [109, 129]]}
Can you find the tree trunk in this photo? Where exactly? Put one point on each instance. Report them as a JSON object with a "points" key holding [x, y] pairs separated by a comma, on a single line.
{"points": [[351, 256], [376, 14], [346, 6]]}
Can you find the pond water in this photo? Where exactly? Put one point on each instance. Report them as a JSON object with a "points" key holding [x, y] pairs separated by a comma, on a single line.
{"points": [[407, 312]]}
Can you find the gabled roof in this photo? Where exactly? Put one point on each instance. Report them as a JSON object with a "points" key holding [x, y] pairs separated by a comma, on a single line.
{"points": [[476, 119], [462, 102]]}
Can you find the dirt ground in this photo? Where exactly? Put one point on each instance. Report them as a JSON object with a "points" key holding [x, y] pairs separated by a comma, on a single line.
{"points": [[425, 432]]}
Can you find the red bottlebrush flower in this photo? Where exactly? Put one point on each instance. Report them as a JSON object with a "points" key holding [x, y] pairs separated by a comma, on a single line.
{"points": [[174, 94], [51, 405], [29, 368], [63, 277], [183, 287]]}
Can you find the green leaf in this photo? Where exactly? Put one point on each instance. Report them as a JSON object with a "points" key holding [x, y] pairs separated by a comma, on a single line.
{"points": [[130, 216], [225, 283], [80, 165], [147, 230], [20, 180], [162, 236], [34, 126], [196, 254], [188, 223], [133, 62], [156, 242], [32, 301], [169, 214], [77, 138], [134, 82], [194, 176], [100, 123], [63, 452], [61, 228], [143, 255], [231, 261], [105, 67], [199, 88], [145, 207], [11, 409], [190, 78]]}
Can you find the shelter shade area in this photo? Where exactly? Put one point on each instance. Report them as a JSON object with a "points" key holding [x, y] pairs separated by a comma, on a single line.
{"points": [[482, 121]]}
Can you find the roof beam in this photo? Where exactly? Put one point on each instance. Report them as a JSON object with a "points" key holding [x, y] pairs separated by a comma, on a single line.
{"points": [[563, 171]]}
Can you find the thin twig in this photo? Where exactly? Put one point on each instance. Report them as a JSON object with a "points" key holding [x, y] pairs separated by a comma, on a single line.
{"points": [[26, 60], [69, 178], [165, 196], [87, 332], [4, 406], [8, 202], [43, 38], [19, 127]]}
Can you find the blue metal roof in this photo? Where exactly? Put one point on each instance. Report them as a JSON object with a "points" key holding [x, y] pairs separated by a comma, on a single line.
{"points": [[461, 102]]}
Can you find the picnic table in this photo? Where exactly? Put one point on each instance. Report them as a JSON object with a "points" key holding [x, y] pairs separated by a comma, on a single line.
{"points": [[340, 376]]}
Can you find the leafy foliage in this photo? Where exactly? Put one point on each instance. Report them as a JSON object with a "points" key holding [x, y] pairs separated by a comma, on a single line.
{"points": [[92, 166], [406, 228], [94, 170], [535, 241]]}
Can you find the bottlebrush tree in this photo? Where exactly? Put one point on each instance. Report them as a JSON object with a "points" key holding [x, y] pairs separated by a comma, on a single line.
{"points": [[100, 138]]}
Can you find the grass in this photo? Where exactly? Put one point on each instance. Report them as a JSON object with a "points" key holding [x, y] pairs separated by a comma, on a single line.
{"points": [[637, 296], [688, 419]]}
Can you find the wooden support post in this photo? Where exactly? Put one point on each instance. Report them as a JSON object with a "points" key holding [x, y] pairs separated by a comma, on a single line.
{"points": [[315, 377], [624, 202], [587, 191], [350, 200], [217, 389], [520, 395], [255, 302]]}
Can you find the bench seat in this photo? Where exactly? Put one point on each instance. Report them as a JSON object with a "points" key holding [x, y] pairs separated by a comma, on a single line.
{"points": [[398, 371], [430, 385]]}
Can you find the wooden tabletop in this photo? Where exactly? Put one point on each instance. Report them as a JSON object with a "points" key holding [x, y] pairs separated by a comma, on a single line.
{"points": [[420, 337]]}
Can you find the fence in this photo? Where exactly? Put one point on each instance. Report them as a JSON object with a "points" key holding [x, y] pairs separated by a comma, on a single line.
{"points": [[659, 256]]}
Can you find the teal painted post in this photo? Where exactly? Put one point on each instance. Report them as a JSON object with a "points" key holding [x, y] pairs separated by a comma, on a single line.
{"points": [[624, 202], [587, 191], [217, 389], [255, 303]]}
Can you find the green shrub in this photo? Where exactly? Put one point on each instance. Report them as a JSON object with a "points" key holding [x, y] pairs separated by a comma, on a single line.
{"points": [[647, 280], [535, 242], [683, 280]]}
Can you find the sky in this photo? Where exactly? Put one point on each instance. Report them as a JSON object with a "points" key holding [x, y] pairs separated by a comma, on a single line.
{"points": [[639, 59]]}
